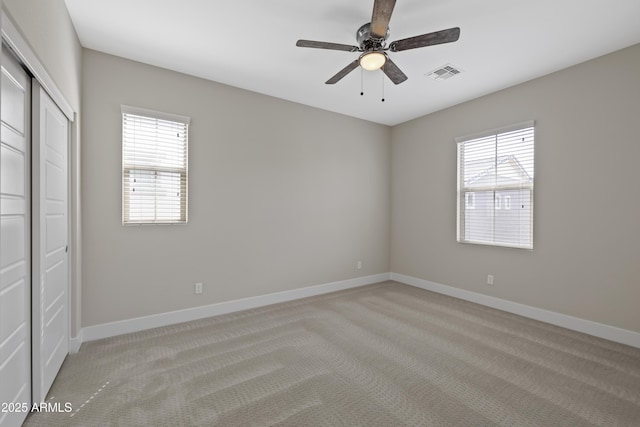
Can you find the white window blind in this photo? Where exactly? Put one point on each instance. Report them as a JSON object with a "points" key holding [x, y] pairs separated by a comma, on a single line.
{"points": [[154, 167], [496, 171]]}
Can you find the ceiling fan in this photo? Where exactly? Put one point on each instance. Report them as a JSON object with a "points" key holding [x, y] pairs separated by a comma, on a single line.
{"points": [[372, 38]]}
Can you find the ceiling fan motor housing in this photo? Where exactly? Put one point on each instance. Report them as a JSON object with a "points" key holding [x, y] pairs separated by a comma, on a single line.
{"points": [[367, 42]]}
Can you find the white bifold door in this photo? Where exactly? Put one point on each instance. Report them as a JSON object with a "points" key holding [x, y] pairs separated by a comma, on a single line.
{"points": [[50, 297], [15, 249]]}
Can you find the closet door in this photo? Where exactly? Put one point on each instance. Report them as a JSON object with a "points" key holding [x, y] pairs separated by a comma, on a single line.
{"points": [[15, 250], [50, 241]]}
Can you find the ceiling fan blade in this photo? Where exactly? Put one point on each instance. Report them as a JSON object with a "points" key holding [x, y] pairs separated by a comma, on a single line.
{"points": [[394, 73], [325, 45], [346, 70], [382, 10], [430, 39]]}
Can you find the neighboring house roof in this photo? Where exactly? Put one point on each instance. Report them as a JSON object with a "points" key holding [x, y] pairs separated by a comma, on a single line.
{"points": [[486, 171]]}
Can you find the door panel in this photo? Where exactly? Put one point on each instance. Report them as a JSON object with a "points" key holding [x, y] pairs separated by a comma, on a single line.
{"points": [[55, 180], [13, 309], [50, 230], [56, 237], [13, 244], [12, 168], [14, 102], [15, 249]]}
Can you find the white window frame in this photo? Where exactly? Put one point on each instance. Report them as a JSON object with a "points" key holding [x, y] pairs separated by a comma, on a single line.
{"points": [[167, 165], [462, 191]]}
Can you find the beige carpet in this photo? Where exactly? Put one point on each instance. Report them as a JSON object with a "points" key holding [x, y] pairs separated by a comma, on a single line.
{"points": [[379, 355]]}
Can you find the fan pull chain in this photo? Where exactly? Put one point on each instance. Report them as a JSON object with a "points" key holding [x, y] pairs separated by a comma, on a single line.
{"points": [[382, 87], [361, 83]]}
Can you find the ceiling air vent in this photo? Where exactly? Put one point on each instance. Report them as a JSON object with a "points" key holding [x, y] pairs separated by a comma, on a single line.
{"points": [[444, 72]]}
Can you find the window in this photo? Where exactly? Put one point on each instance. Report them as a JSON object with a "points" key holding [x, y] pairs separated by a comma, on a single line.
{"points": [[497, 167], [154, 167], [470, 200]]}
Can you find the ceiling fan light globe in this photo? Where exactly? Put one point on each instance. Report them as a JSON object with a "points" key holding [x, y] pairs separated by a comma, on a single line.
{"points": [[372, 61]]}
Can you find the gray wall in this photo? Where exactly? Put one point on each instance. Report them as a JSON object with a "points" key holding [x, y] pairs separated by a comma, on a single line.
{"points": [[284, 195], [586, 256], [48, 29], [281, 196]]}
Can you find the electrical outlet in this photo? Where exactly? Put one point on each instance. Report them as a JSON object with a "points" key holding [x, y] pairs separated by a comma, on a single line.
{"points": [[359, 265], [197, 289], [490, 279]]}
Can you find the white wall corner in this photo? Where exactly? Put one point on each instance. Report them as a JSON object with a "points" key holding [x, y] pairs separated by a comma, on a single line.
{"points": [[599, 330], [107, 330]]}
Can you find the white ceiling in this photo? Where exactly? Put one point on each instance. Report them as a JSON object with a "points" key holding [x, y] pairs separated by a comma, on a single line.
{"points": [[250, 44]]}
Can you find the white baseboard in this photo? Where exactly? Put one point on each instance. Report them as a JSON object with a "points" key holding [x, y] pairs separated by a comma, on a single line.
{"points": [[75, 343], [164, 319], [106, 330], [600, 330]]}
